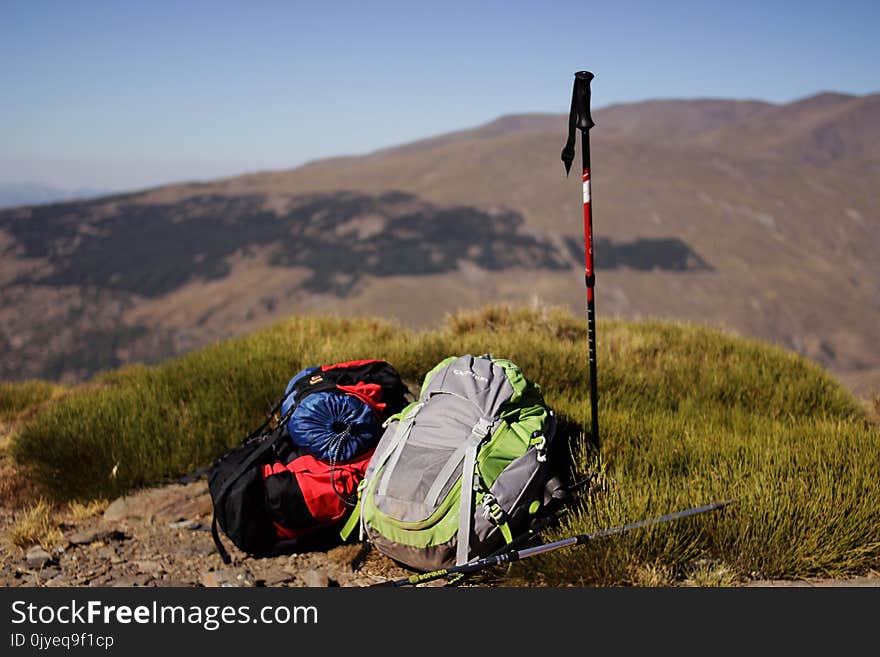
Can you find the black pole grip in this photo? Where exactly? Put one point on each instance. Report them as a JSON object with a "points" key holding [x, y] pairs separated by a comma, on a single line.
{"points": [[579, 118], [581, 100]]}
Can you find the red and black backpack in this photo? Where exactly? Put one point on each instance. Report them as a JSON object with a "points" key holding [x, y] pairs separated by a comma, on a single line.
{"points": [[288, 482]]}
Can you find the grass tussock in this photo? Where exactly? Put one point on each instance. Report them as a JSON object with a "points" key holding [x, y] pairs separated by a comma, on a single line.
{"points": [[711, 574], [84, 510], [16, 398], [35, 525], [688, 415]]}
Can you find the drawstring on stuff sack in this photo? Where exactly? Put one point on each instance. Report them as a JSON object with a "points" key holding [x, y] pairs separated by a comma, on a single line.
{"points": [[335, 445]]}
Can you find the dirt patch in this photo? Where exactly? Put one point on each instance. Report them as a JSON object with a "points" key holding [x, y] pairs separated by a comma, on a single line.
{"points": [[870, 580], [161, 537]]}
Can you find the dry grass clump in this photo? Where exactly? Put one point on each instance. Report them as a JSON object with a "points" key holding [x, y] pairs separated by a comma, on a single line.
{"points": [[35, 525]]}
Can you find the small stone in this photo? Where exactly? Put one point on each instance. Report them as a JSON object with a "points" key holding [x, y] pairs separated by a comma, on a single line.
{"points": [[84, 537], [118, 510], [37, 557], [150, 567], [276, 577], [168, 503], [228, 577], [132, 580], [217, 578], [172, 583], [183, 524], [190, 503], [315, 578], [199, 550]]}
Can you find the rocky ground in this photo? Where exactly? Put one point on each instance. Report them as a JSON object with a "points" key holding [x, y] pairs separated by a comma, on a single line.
{"points": [[162, 537]]}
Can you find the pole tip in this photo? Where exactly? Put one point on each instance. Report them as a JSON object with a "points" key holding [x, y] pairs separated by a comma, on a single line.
{"points": [[584, 75]]}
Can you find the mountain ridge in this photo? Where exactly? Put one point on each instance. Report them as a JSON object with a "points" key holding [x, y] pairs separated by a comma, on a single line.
{"points": [[714, 224]]}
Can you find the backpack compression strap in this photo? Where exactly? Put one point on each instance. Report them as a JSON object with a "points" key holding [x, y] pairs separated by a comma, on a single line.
{"points": [[465, 511]]}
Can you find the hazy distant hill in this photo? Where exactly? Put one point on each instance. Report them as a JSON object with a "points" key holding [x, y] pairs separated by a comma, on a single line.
{"points": [[759, 217], [29, 193]]}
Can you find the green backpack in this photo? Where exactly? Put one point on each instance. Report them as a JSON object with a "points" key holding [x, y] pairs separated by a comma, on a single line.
{"points": [[461, 471]]}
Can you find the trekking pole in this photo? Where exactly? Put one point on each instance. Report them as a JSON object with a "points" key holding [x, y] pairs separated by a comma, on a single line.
{"points": [[579, 119], [533, 531], [516, 555]]}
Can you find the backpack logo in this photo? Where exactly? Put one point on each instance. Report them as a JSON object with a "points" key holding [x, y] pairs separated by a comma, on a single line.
{"points": [[316, 379], [478, 377]]}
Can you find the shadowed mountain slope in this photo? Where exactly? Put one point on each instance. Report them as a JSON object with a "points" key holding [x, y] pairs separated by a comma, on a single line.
{"points": [[761, 218]]}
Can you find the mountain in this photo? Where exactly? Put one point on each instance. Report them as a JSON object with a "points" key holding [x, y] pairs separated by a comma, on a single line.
{"points": [[30, 193], [820, 130], [757, 217]]}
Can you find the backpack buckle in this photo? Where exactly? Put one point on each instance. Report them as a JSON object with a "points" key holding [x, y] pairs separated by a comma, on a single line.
{"points": [[492, 511], [482, 428], [539, 441]]}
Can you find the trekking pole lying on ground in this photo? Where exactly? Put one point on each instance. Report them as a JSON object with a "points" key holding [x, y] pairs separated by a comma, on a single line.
{"points": [[579, 119], [533, 532], [516, 555]]}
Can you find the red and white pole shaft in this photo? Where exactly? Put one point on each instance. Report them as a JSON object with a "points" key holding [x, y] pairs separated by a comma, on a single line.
{"points": [[590, 280], [580, 119], [589, 275]]}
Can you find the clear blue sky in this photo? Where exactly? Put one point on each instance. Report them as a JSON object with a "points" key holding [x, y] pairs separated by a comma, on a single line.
{"points": [[127, 94]]}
